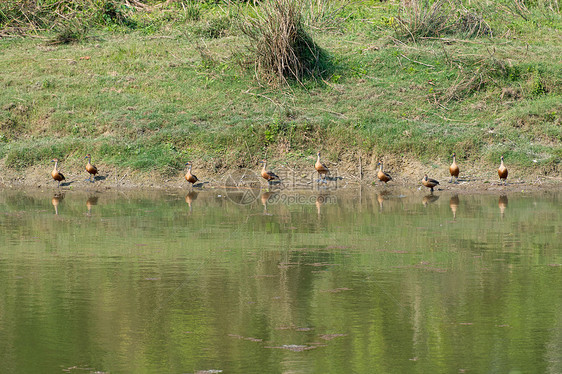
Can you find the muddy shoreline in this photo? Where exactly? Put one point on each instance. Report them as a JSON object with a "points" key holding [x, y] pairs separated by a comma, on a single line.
{"points": [[471, 181]]}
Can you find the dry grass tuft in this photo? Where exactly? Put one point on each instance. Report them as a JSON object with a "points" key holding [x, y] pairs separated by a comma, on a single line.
{"points": [[425, 18], [280, 46]]}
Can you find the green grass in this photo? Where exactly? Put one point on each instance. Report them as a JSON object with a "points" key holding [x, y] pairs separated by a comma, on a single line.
{"points": [[175, 85]]}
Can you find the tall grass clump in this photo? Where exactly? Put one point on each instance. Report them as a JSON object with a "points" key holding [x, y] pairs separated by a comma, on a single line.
{"points": [[325, 14], [280, 46], [46, 15], [435, 18]]}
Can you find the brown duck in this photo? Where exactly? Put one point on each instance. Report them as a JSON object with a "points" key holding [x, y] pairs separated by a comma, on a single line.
{"points": [[91, 169], [269, 176], [454, 169], [502, 172], [383, 177], [321, 168], [57, 175], [188, 176], [429, 183]]}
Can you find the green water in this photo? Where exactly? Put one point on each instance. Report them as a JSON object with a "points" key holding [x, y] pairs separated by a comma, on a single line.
{"points": [[299, 283]]}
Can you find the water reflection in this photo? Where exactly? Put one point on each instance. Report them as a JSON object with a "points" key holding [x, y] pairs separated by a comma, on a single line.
{"points": [[429, 199], [502, 204], [320, 200], [231, 289], [190, 198], [381, 197], [454, 204], [92, 200], [57, 198], [265, 198]]}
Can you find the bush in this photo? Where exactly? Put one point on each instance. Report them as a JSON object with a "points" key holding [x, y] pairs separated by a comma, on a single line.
{"points": [[63, 15], [427, 18], [280, 47]]}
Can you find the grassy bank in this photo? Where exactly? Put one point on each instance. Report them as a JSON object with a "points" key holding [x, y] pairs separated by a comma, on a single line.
{"points": [[174, 82]]}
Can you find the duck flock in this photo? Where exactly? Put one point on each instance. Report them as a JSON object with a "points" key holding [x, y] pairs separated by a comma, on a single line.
{"points": [[271, 177]]}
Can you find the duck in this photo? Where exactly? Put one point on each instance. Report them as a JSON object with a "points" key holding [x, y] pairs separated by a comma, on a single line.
{"points": [[269, 176], [91, 169], [429, 183], [502, 172], [383, 177], [57, 175], [321, 168], [188, 176], [454, 170]]}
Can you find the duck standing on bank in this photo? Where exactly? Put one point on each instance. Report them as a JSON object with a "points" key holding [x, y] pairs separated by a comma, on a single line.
{"points": [[57, 175], [91, 169], [188, 176], [502, 172], [383, 177], [429, 183], [321, 168], [269, 176], [454, 170]]}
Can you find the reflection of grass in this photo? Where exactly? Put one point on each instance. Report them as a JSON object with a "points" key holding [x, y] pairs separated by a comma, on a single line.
{"points": [[183, 92], [224, 275]]}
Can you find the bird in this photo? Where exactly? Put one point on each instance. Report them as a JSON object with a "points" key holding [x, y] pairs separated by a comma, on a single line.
{"points": [[502, 172], [383, 177], [188, 176], [91, 169], [454, 169], [321, 168], [57, 175], [429, 183], [269, 176]]}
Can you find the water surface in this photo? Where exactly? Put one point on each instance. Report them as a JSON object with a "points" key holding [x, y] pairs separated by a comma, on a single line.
{"points": [[308, 282]]}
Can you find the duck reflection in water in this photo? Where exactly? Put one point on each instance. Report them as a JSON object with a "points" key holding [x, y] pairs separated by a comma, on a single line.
{"points": [[381, 197], [190, 198], [265, 198], [320, 200], [57, 198], [454, 204], [429, 199], [502, 204], [92, 200]]}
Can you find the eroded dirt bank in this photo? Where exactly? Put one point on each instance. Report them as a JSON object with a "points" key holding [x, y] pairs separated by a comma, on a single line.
{"points": [[346, 175]]}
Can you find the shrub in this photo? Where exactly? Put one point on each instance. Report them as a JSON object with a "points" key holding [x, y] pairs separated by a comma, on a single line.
{"points": [[280, 47], [428, 18]]}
